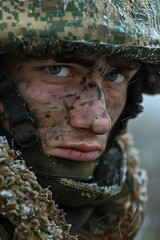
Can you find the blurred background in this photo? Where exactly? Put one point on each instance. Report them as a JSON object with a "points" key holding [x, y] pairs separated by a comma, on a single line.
{"points": [[146, 131]]}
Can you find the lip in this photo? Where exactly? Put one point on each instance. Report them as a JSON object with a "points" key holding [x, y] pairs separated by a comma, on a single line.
{"points": [[78, 152]]}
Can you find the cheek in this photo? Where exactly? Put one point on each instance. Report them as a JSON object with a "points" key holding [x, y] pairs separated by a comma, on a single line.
{"points": [[47, 109], [116, 103]]}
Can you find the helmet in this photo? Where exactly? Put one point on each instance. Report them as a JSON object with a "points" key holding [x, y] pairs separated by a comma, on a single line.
{"points": [[108, 27]]}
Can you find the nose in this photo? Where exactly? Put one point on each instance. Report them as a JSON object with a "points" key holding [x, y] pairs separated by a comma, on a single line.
{"points": [[90, 112]]}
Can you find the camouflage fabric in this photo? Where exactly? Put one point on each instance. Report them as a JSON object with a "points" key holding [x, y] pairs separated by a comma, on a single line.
{"points": [[36, 24], [77, 20], [26, 205]]}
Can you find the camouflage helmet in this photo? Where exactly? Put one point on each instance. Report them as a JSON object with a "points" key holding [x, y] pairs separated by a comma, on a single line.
{"points": [[104, 27]]}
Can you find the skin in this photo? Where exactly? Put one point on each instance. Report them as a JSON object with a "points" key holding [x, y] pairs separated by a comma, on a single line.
{"points": [[75, 102]]}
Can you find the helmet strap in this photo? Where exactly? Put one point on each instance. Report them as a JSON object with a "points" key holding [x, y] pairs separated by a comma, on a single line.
{"points": [[22, 125]]}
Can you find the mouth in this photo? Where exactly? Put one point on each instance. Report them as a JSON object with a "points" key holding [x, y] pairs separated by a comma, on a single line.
{"points": [[79, 152]]}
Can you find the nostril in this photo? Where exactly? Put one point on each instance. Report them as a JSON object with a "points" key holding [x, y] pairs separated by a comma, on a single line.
{"points": [[87, 120]]}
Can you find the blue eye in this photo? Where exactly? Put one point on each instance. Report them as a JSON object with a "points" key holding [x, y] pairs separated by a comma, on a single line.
{"points": [[114, 77], [61, 71], [54, 69]]}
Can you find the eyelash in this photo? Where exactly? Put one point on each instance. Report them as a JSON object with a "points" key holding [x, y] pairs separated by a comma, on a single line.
{"points": [[66, 70], [114, 72]]}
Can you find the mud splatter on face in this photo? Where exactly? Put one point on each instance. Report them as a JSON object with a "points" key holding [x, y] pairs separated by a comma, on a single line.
{"points": [[77, 97], [98, 68], [48, 114], [98, 89], [83, 81], [67, 96], [66, 105], [78, 107], [99, 92]]}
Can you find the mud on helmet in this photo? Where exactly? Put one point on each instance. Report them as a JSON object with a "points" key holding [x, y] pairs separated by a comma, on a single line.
{"points": [[103, 28]]}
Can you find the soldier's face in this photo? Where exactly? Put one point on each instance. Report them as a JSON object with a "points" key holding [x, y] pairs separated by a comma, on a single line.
{"points": [[75, 101]]}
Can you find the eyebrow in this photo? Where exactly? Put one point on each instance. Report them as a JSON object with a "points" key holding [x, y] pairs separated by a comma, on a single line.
{"points": [[130, 65], [88, 63]]}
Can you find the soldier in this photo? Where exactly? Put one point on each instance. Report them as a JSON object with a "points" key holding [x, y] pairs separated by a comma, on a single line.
{"points": [[71, 75]]}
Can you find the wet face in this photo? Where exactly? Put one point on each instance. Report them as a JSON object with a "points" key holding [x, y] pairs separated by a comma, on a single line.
{"points": [[75, 101]]}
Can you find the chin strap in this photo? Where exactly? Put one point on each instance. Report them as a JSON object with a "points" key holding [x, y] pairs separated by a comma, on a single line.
{"points": [[22, 125], [78, 184]]}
